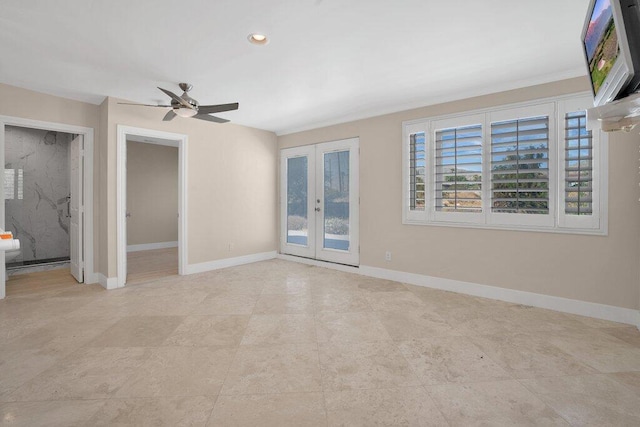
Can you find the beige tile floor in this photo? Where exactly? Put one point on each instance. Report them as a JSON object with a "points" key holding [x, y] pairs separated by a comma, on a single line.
{"points": [[284, 344], [144, 266]]}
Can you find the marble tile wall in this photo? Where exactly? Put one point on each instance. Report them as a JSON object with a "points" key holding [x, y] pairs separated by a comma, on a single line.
{"points": [[36, 210]]}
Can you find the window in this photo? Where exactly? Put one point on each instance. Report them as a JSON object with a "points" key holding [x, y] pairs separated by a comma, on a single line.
{"points": [[415, 180], [532, 166], [520, 166], [417, 171], [458, 170], [583, 163], [578, 165]]}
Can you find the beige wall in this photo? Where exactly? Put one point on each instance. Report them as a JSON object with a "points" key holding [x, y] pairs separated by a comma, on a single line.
{"points": [[26, 104], [590, 268], [152, 193], [231, 184]]}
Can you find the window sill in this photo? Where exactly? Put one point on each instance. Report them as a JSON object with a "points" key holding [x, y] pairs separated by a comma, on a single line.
{"points": [[537, 229]]}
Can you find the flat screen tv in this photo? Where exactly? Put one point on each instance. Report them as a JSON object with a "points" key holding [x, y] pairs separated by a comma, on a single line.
{"points": [[611, 42]]}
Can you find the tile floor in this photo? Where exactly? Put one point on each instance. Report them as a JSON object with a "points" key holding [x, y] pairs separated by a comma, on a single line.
{"points": [[284, 344]]}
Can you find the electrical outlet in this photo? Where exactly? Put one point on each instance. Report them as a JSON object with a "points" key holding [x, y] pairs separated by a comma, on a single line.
{"points": [[387, 256]]}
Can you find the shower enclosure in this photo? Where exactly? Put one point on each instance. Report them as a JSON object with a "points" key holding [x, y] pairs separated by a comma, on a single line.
{"points": [[37, 193]]}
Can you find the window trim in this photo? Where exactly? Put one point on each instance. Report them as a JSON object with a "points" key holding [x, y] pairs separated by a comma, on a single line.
{"points": [[556, 221]]}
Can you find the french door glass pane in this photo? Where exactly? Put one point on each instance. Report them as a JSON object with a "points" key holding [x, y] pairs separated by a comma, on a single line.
{"points": [[297, 217], [336, 200]]}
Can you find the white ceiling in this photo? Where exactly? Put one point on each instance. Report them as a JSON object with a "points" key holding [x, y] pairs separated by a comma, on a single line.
{"points": [[328, 61]]}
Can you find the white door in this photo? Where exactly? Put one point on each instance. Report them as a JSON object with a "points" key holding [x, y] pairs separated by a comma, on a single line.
{"points": [[320, 201], [76, 209], [298, 201]]}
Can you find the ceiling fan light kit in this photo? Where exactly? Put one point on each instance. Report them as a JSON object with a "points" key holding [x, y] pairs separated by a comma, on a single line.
{"points": [[185, 112], [185, 106]]}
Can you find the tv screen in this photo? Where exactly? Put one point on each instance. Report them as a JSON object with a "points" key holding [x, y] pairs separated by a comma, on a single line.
{"points": [[611, 42], [601, 43]]}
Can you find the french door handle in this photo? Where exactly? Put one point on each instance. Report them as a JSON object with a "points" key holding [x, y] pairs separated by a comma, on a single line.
{"points": [[317, 209]]}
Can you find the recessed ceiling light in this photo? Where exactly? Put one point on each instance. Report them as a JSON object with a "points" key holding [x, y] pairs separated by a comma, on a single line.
{"points": [[256, 38]]}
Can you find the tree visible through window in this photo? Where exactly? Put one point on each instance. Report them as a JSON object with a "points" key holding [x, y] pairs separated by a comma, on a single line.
{"points": [[520, 166], [297, 225]]}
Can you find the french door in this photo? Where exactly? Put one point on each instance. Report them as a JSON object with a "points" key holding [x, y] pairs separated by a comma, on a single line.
{"points": [[320, 201]]}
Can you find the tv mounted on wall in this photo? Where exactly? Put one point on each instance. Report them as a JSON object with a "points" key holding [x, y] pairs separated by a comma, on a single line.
{"points": [[611, 43]]}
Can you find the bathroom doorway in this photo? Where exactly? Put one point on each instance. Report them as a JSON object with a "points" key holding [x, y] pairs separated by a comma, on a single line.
{"points": [[37, 198], [48, 181]]}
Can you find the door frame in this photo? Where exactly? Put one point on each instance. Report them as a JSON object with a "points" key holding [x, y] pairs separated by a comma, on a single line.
{"points": [[315, 171], [160, 138], [88, 140]]}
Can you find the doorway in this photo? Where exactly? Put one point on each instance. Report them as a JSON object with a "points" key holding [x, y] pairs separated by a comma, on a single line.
{"points": [[55, 226], [320, 201], [149, 256]]}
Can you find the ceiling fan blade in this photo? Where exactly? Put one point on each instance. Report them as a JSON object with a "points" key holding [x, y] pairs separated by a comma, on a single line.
{"points": [[208, 109], [169, 116], [143, 105], [210, 118], [176, 98]]}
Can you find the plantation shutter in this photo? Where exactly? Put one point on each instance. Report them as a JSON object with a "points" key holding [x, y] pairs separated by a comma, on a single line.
{"points": [[520, 165], [458, 169], [578, 165], [417, 171]]}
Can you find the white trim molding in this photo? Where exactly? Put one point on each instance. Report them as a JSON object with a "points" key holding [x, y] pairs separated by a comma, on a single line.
{"points": [[151, 246], [108, 283], [157, 137], [230, 262], [319, 263], [565, 305]]}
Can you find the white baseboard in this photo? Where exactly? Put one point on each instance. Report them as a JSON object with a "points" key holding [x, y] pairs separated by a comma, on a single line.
{"points": [[565, 305], [317, 263], [107, 282], [151, 246], [229, 262]]}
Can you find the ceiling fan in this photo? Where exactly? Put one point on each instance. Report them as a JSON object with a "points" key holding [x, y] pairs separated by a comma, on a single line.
{"points": [[185, 106]]}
